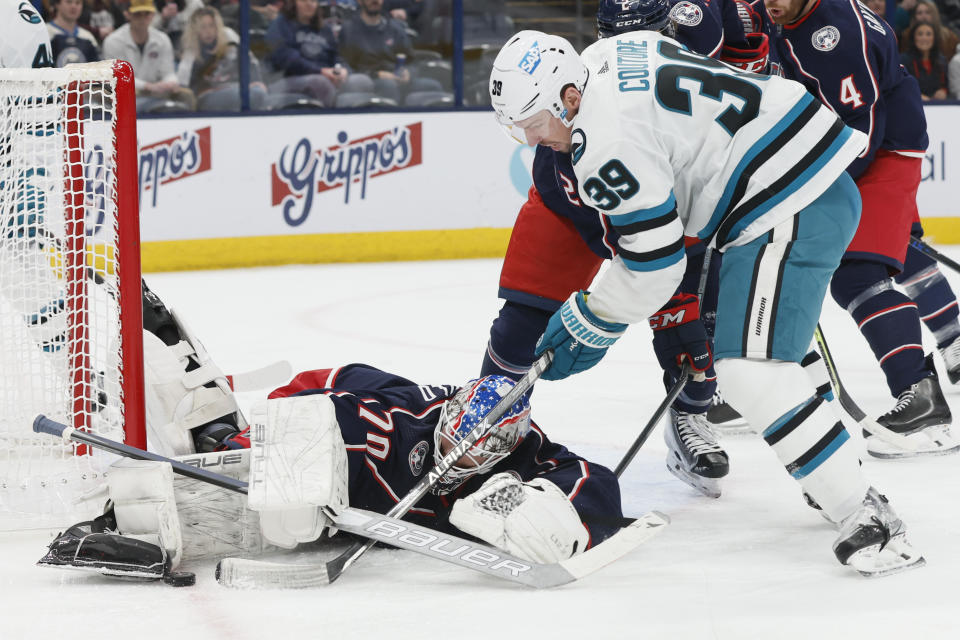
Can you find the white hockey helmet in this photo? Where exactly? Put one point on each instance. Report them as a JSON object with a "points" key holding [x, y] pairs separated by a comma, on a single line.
{"points": [[528, 76]]}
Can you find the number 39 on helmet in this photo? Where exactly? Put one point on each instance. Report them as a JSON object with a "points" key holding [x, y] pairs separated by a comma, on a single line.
{"points": [[529, 74]]}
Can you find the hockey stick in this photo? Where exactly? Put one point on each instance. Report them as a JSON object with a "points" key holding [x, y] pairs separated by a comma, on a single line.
{"points": [[923, 247], [655, 418], [235, 572], [851, 407], [269, 376], [342, 562]]}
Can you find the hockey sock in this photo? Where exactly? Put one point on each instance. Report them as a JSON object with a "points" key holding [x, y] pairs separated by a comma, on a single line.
{"points": [[887, 319], [513, 336], [936, 302], [697, 396], [800, 427]]}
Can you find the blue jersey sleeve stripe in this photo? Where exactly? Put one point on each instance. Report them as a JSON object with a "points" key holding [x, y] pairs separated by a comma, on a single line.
{"points": [[791, 188], [654, 264], [796, 115], [640, 215]]}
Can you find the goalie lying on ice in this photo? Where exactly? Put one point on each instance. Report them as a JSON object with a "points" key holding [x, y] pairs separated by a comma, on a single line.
{"points": [[360, 436]]}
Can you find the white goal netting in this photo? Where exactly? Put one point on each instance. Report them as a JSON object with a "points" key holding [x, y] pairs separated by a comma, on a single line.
{"points": [[62, 306]]}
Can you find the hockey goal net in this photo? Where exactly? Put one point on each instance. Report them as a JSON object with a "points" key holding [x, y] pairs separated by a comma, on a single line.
{"points": [[70, 302]]}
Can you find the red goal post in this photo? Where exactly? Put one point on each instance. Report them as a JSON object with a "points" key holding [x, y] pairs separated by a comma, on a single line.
{"points": [[70, 295]]}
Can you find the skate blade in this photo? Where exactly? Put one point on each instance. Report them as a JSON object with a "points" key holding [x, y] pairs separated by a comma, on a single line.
{"points": [[897, 556], [932, 441], [709, 487]]}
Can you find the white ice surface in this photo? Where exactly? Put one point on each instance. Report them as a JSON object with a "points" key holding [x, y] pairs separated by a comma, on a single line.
{"points": [[756, 563]]}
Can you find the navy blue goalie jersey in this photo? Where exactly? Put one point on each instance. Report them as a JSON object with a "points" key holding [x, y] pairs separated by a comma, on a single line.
{"points": [[388, 423]]}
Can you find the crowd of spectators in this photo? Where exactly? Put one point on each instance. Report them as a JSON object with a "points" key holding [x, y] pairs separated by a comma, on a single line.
{"points": [[349, 53], [929, 34], [304, 53]]}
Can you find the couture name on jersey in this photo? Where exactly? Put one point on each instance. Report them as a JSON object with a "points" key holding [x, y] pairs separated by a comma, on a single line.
{"points": [[633, 65]]}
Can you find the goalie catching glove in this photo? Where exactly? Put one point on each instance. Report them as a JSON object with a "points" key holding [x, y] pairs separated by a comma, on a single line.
{"points": [[531, 520], [578, 337]]}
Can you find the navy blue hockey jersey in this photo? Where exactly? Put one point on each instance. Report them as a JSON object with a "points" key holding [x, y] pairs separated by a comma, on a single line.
{"points": [[847, 56], [388, 422]]}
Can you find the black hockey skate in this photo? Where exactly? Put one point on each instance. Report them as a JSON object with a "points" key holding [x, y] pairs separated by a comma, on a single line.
{"points": [[724, 419], [951, 358], [693, 454], [873, 539], [923, 416]]}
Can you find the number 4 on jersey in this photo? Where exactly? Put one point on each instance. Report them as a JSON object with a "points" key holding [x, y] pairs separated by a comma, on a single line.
{"points": [[849, 94]]}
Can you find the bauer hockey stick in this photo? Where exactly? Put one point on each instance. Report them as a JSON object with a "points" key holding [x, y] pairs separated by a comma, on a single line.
{"points": [[851, 407], [236, 572], [655, 418], [926, 249], [342, 562]]}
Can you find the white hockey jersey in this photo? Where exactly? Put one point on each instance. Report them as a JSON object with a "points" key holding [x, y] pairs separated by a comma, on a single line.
{"points": [[669, 143], [23, 37]]}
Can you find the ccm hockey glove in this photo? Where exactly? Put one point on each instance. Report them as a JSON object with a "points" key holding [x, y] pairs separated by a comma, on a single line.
{"points": [[678, 334], [578, 338]]}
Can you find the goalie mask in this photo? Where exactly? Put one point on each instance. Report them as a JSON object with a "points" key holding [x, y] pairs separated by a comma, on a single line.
{"points": [[619, 16], [528, 76], [464, 411]]}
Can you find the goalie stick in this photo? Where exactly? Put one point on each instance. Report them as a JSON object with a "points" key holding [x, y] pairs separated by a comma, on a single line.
{"points": [[851, 407], [235, 572], [270, 375], [925, 248]]}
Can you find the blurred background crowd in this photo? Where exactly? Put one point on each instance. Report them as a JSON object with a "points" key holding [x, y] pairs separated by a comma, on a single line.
{"points": [[218, 55]]}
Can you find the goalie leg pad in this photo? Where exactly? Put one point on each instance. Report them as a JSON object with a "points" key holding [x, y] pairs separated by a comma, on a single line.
{"points": [[800, 427], [531, 520], [184, 390], [144, 504], [298, 464], [215, 522]]}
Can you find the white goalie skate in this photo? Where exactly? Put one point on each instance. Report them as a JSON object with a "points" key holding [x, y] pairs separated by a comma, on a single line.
{"points": [[873, 539], [694, 455]]}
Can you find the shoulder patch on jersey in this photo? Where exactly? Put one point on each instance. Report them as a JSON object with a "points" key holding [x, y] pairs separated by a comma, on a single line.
{"points": [[826, 38], [28, 13], [687, 14], [578, 144], [417, 456]]}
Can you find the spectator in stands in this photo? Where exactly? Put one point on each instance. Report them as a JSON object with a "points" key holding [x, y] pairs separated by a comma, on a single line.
{"points": [[69, 42], [172, 17], [924, 60], [150, 53], [105, 16], [926, 11], [378, 45], [305, 50], [210, 64], [953, 75]]}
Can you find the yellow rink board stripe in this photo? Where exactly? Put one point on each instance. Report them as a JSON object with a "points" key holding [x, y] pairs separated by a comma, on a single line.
{"points": [[382, 246], [941, 230], [225, 253]]}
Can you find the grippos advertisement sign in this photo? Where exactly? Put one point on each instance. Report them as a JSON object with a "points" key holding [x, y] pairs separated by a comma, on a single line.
{"points": [[332, 173], [335, 173]]}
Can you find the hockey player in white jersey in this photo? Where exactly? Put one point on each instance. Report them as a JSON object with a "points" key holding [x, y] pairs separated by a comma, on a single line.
{"points": [[669, 143], [24, 41]]}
